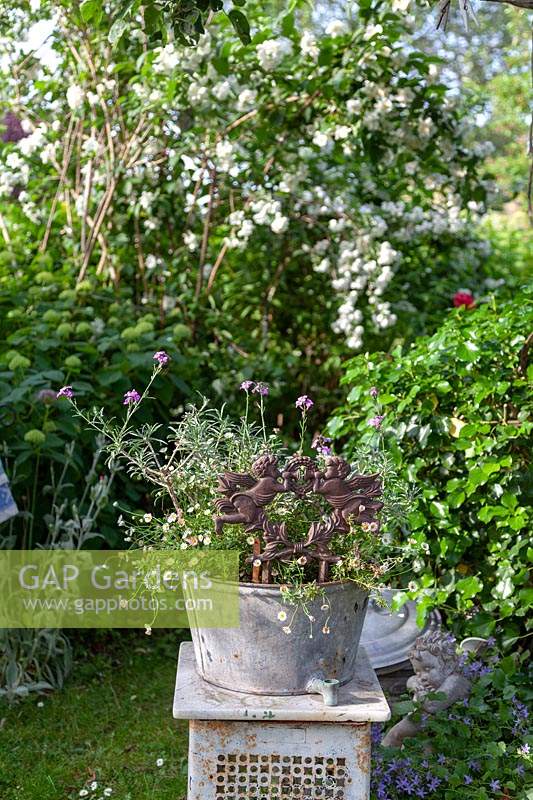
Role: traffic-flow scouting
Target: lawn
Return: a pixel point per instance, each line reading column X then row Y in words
column 112, row 724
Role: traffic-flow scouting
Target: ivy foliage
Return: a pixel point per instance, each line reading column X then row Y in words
column 458, row 419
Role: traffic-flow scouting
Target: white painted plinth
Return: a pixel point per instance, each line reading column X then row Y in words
column 245, row 746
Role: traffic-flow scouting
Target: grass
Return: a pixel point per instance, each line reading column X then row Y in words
column 110, row 725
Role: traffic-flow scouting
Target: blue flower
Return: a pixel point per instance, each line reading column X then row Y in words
column 433, row 782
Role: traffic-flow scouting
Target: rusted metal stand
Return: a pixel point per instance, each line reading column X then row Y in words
column 245, row 746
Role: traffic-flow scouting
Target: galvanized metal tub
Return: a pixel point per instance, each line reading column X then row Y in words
column 259, row 657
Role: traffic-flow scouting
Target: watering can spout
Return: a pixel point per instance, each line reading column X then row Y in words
column 328, row 688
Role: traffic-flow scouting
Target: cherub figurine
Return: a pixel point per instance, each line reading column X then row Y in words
column 439, row 667
column 245, row 496
column 350, row 497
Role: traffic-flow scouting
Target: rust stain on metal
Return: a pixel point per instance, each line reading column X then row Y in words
column 363, row 750
column 251, row 740
column 217, row 732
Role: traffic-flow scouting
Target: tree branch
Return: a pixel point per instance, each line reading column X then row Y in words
column 205, row 234
column 465, row 6
column 516, row 3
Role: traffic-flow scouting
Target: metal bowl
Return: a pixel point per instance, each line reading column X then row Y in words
column 387, row 637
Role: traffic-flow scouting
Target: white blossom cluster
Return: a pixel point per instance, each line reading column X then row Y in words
column 312, row 178
column 271, row 52
column 261, row 212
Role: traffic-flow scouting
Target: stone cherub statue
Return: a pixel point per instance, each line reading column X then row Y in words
column 439, row 667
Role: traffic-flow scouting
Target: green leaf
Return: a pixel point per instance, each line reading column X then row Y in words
column 422, row 611
column 106, row 378
column 152, row 18
column 487, row 513
column 508, row 665
column 335, row 425
column 241, row 25
column 387, row 399
column 117, row 30
column 416, row 520
column 438, row 509
column 468, row 351
column 526, row 597
column 287, row 25
column 509, row 500
column 354, row 394
column 456, row 499
column 468, row 587
column 403, row 707
column 89, row 8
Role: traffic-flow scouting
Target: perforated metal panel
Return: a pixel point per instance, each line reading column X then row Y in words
column 272, row 761
column 276, row 776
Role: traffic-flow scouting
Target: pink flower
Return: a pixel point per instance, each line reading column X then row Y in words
column 376, row 421
column 247, row 385
column 132, row 396
column 161, row 357
column 464, row 298
column 261, row 388
column 304, row 402
column 322, row 445
column 374, row 391
column 66, row 391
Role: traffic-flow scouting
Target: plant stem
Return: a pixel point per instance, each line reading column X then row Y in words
column 303, row 425
column 262, row 410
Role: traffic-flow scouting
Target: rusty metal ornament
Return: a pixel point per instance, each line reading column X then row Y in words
column 353, row 498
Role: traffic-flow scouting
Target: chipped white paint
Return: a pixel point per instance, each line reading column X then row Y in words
column 361, row 700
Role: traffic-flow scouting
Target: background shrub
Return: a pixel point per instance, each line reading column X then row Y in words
column 282, row 204
column 245, row 191
column 458, row 418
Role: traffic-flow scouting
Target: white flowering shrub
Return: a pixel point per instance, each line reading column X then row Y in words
column 313, row 186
